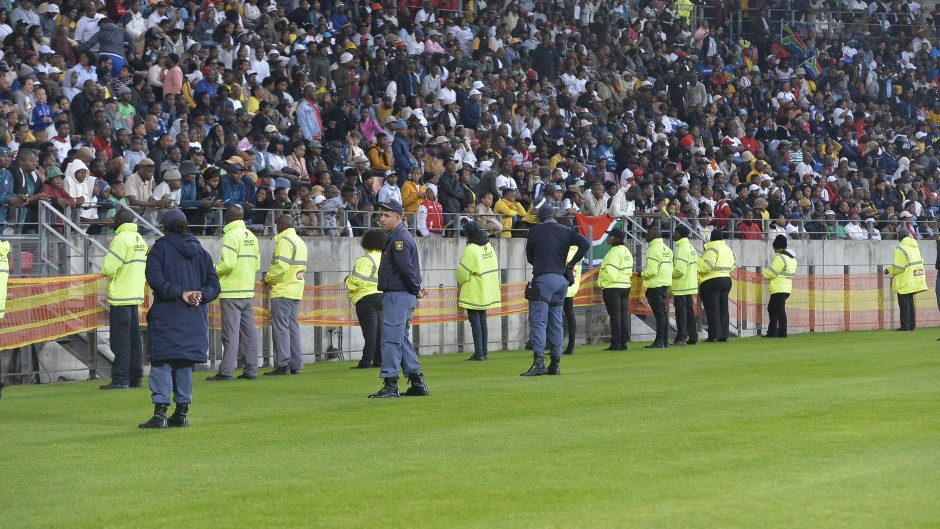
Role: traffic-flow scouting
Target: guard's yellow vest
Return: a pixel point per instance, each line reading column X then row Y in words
column 779, row 274
column 717, row 261
column 573, row 289
column 240, row 261
column 684, row 269
column 658, row 271
column 125, row 265
column 616, row 269
column 364, row 280
column 288, row 266
column 4, row 275
column 907, row 270
column 478, row 278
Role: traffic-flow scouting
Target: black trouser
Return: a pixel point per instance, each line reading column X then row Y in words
column 568, row 315
column 479, row 330
column 127, row 367
column 617, row 301
column 369, row 313
column 777, row 310
column 657, row 300
column 908, row 320
column 685, row 318
column 714, row 294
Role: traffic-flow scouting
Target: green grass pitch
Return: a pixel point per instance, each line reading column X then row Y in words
column 837, row 430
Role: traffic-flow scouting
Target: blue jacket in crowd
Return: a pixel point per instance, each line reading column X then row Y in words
column 177, row 264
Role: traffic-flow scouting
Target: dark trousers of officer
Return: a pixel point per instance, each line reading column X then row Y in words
column 657, row 300
column 127, row 367
column 571, row 322
column 906, row 303
column 777, row 310
column 479, row 330
column 714, row 294
column 369, row 314
column 616, row 301
column 685, row 319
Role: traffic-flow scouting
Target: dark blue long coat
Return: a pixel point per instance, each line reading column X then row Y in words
column 176, row 264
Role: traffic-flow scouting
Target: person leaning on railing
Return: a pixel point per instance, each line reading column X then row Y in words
column 510, row 210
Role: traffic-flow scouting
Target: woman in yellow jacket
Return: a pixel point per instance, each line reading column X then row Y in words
column 614, row 280
column 907, row 277
column 412, row 191
column 714, row 272
column 478, row 279
column 779, row 276
column 364, row 294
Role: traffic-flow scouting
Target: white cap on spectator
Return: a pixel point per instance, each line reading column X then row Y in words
column 477, row 85
column 832, row 179
column 270, row 128
column 474, row 92
column 830, row 212
column 319, row 199
column 754, row 187
column 346, row 57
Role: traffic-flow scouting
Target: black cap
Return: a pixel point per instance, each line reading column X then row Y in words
column 780, row 242
column 682, row 231
column 616, row 232
column 470, row 228
column 392, row 205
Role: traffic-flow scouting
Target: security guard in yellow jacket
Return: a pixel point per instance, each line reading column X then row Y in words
column 4, row 275
column 779, row 276
column 614, row 278
column 714, row 272
column 684, row 286
column 657, row 276
column 908, row 277
column 363, row 286
column 125, row 265
column 286, row 279
column 238, row 270
column 568, row 307
column 478, row 279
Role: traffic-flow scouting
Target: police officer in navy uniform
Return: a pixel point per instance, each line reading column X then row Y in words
column 547, row 252
column 400, row 282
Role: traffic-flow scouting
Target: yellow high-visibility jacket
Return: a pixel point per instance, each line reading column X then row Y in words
column 288, row 266
column 125, row 265
column 240, row 261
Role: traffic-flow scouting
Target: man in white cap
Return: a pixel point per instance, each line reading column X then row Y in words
column 344, row 76
column 470, row 111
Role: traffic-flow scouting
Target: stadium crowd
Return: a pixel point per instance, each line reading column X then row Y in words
column 465, row 108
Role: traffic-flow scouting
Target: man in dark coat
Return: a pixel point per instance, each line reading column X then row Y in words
column 184, row 282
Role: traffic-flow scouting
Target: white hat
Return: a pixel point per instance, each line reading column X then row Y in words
column 53, row 8
column 474, row 92
column 270, row 128
column 346, row 57
column 478, row 85
column 485, row 165
column 46, row 50
column 766, row 178
column 419, row 113
column 830, row 212
column 319, row 199
column 831, row 179
column 754, row 187
column 585, row 123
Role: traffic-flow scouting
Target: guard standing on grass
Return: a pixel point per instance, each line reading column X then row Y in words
column 125, row 265
column 4, row 276
column 615, row 279
column 657, row 276
column 714, row 271
column 478, row 279
column 908, row 277
column 363, row 286
column 286, row 279
column 400, row 282
column 779, row 276
column 684, row 286
column 184, row 282
column 240, row 260
column 552, row 273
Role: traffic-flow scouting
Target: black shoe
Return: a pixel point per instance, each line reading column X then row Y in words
column 1, row 390
column 295, row 371
column 678, row 343
column 477, row 358
column 615, row 348
column 112, row 385
column 278, row 372
column 218, row 378
column 554, row 367
column 245, row 376
column 692, row 342
column 388, row 391
column 709, row 340
column 538, row 368
column 722, row 340
column 158, row 421
column 655, row 345
column 136, row 384
column 359, row 367
column 179, row 418
column 781, row 336
column 902, row 329
column 528, row 345
column 769, row 336
column 569, row 352
column 418, row 387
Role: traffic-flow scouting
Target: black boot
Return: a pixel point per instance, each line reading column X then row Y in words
column 388, row 391
column 179, row 418
column 477, row 358
column 1, row 390
column 554, row 368
column 278, row 372
column 537, row 369
column 158, row 421
column 418, row 387
column 569, row 351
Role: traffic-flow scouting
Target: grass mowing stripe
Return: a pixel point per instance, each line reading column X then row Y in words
column 833, row 430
